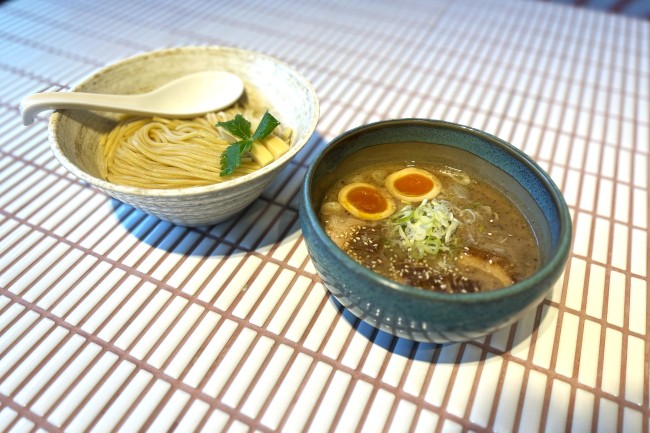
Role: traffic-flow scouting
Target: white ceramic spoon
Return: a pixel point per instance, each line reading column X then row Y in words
column 189, row 96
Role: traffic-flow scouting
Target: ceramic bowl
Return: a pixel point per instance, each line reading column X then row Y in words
column 74, row 134
column 413, row 313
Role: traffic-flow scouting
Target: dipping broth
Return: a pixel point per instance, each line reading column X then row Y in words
column 430, row 224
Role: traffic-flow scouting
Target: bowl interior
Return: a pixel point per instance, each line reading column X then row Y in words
column 269, row 84
column 478, row 153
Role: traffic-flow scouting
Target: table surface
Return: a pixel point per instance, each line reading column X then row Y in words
column 113, row 320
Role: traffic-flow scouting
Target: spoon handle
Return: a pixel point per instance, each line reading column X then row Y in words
column 34, row 104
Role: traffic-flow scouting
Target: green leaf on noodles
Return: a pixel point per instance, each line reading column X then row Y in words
column 266, row 126
column 230, row 159
column 245, row 146
column 241, row 128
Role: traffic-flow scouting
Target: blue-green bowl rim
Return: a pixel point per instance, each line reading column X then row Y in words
column 558, row 257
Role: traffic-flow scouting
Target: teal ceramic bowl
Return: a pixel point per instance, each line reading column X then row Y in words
column 410, row 312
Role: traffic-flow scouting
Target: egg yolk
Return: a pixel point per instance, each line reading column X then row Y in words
column 413, row 184
column 366, row 201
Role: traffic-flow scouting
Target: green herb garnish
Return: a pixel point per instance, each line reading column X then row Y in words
column 423, row 230
column 241, row 128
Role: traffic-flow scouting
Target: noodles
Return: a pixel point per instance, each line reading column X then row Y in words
column 172, row 153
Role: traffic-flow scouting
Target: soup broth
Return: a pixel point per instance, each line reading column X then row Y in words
column 430, row 225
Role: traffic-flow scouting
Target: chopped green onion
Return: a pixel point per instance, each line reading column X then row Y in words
column 424, row 230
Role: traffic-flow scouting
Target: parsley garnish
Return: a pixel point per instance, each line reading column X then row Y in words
column 241, row 128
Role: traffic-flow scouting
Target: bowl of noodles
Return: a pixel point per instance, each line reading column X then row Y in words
column 176, row 169
column 433, row 231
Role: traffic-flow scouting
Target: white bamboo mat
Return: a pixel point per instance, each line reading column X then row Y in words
column 113, row 320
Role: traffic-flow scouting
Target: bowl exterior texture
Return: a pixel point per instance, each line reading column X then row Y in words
column 269, row 84
column 200, row 209
column 421, row 315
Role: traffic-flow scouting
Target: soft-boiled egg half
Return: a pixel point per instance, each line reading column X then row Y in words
column 366, row 201
column 413, row 184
